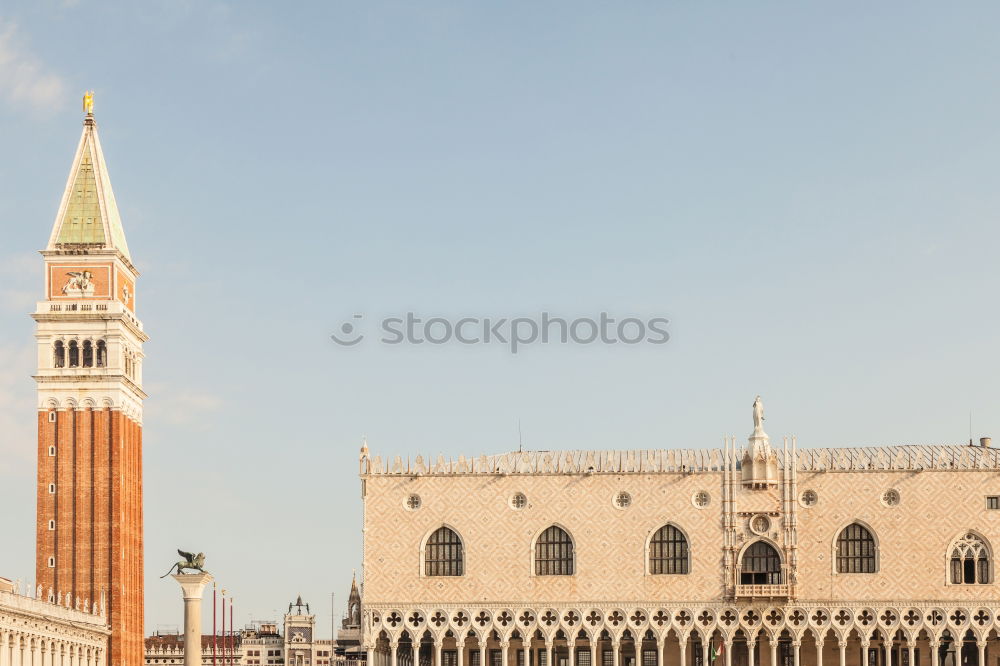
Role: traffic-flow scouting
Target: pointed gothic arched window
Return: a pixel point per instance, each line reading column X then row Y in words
column 59, row 355
column 443, row 554
column 554, row 553
column 761, row 565
column 668, row 551
column 970, row 561
column 856, row 552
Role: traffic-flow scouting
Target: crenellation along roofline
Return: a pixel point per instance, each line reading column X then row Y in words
column 908, row 458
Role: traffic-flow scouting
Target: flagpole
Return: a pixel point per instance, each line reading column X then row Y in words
column 223, row 627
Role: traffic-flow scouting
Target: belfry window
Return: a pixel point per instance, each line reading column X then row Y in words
column 554, row 553
column 761, row 565
column 59, row 354
column 970, row 561
column 74, row 354
column 668, row 551
column 443, row 554
column 856, row 550
column 88, row 354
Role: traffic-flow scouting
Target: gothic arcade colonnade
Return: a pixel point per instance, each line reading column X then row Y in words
column 805, row 634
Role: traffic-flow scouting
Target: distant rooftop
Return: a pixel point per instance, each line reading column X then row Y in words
column 176, row 641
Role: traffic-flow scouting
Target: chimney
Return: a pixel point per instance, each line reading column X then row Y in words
column 985, row 442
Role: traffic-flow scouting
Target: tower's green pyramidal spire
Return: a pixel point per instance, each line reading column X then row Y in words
column 88, row 216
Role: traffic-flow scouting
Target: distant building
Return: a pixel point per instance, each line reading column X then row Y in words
column 50, row 631
column 299, row 632
column 262, row 644
column 167, row 649
column 349, row 635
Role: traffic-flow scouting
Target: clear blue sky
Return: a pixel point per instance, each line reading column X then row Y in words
column 809, row 191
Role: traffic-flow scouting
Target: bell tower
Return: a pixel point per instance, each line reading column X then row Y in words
column 89, row 539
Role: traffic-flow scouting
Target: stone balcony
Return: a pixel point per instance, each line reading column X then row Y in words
column 765, row 591
column 99, row 309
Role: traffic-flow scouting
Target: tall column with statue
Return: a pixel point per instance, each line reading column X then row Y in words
column 192, row 586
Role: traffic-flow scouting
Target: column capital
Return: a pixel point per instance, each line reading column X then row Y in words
column 192, row 585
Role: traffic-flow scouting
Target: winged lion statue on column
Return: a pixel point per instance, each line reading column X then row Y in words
column 190, row 561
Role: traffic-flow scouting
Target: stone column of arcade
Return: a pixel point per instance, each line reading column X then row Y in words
column 192, row 586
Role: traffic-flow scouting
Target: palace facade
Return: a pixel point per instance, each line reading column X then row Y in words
column 743, row 555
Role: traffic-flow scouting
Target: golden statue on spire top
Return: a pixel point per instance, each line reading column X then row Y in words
column 88, row 102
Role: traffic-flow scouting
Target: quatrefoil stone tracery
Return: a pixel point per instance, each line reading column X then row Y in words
column 630, row 623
